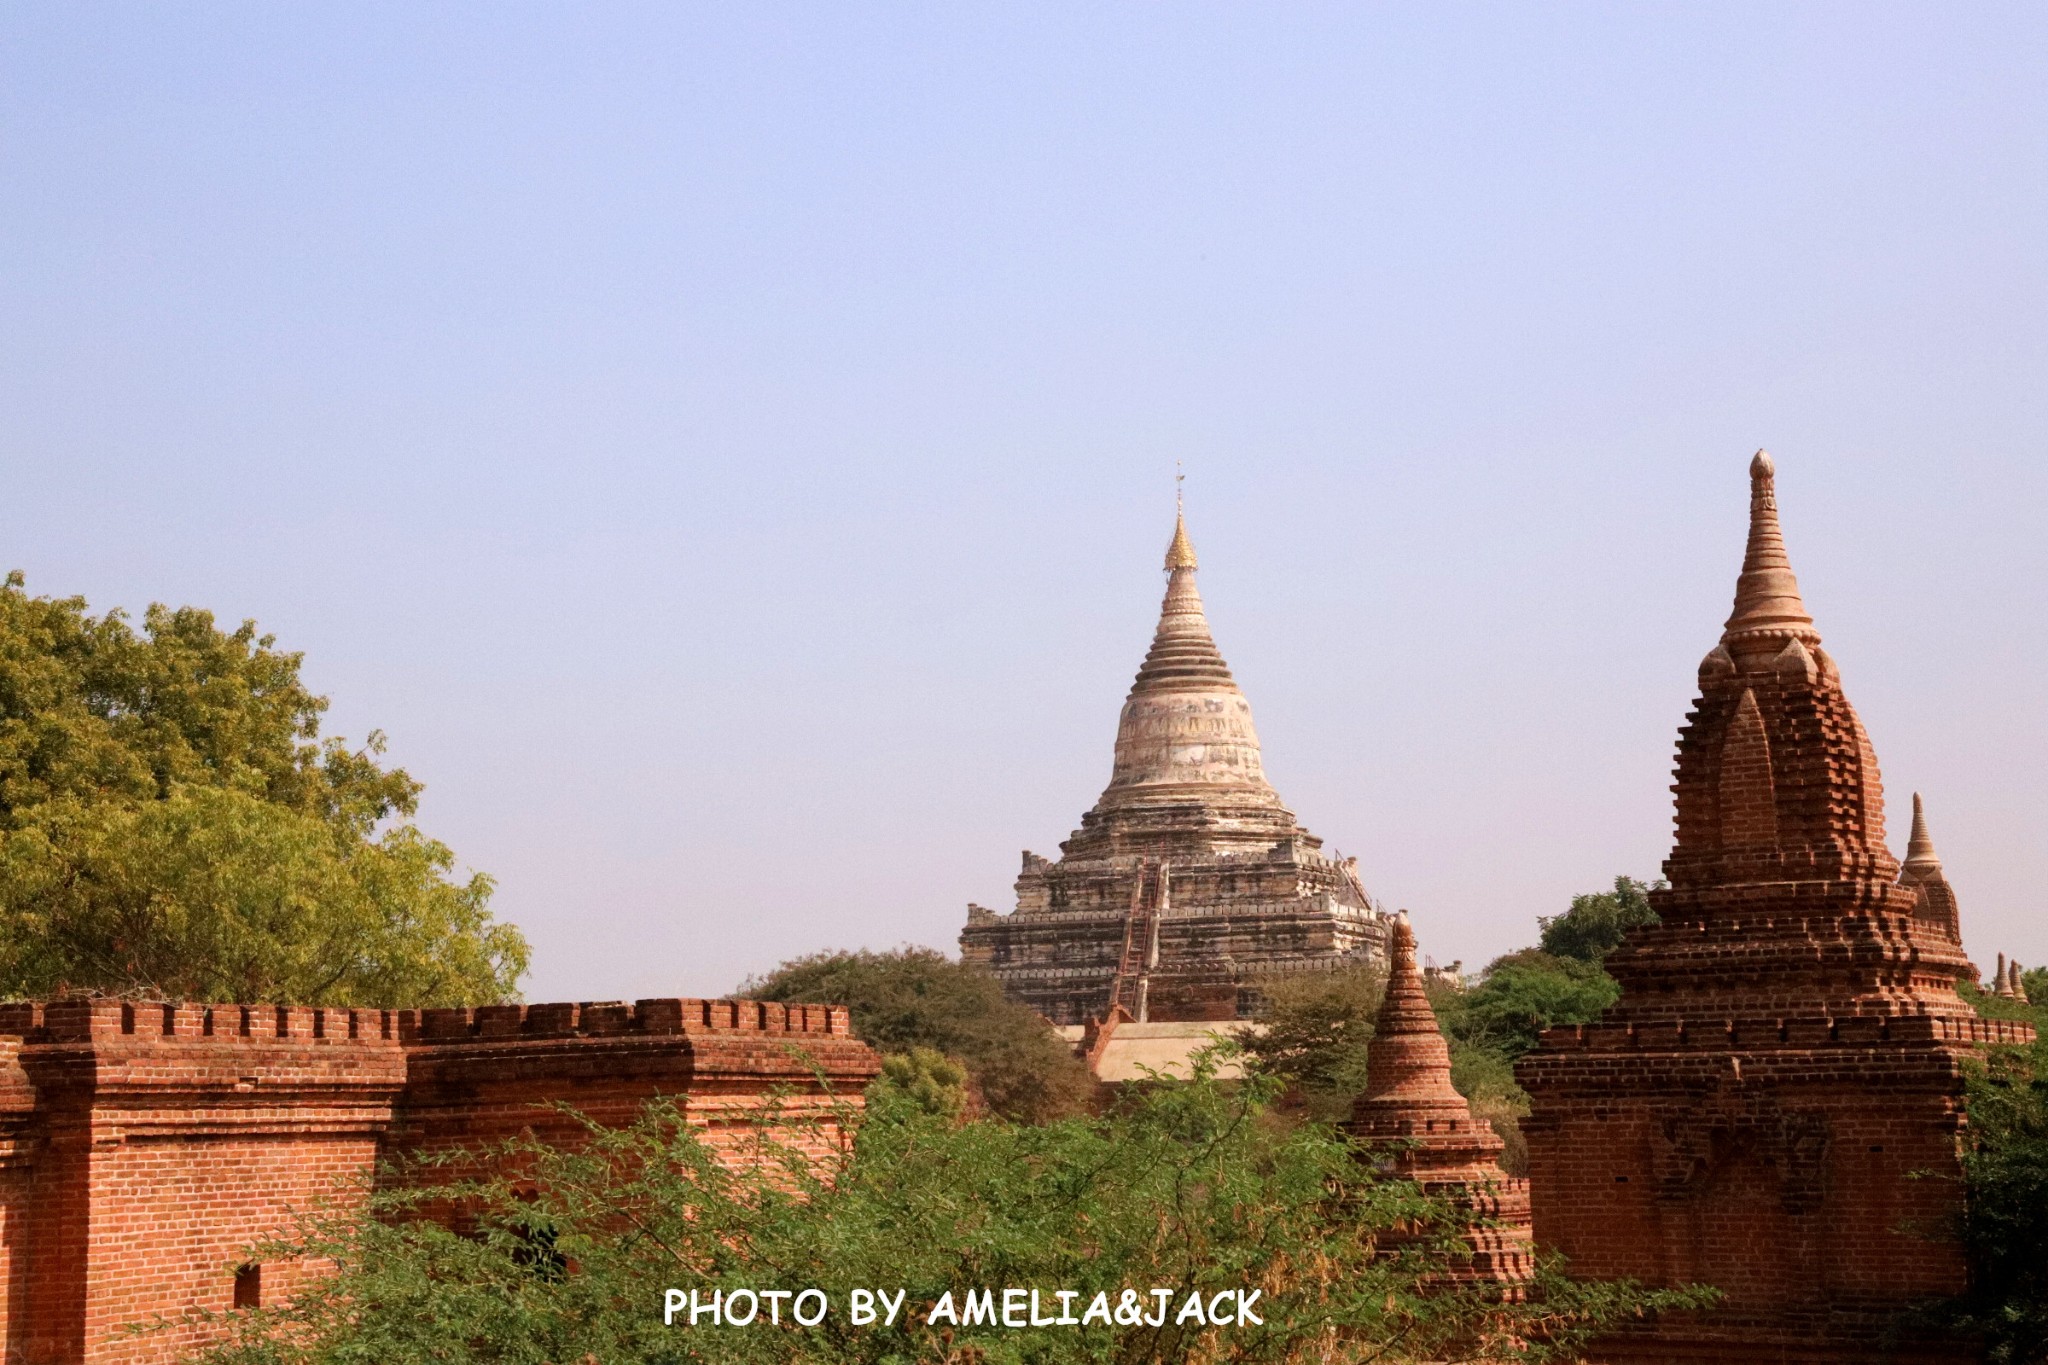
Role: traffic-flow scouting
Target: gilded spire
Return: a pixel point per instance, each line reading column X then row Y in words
column 1768, row 610
column 1183, row 651
column 1921, row 859
column 1180, row 551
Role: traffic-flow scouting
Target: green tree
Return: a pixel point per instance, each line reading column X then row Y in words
column 1594, row 925
column 1316, row 1029
column 1187, row 1188
column 1313, row 1033
column 1523, row 994
column 918, row 997
column 2005, row 1188
column 927, row 1078
column 172, row 823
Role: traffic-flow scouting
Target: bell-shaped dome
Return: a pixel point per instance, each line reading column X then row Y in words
column 1186, row 730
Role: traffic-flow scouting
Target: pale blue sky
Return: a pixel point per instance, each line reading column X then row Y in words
column 730, row 448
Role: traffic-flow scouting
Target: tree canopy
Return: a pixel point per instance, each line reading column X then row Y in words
column 1187, row 1188
column 1594, row 925
column 1318, row 1024
column 918, row 997
column 172, row 823
column 2005, row 1186
column 1315, row 1029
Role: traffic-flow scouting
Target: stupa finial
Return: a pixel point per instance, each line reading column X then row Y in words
column 1920, row 855
column 1180, row 551
column 1768, row 610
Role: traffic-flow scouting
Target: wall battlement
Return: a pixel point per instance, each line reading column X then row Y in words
column 614, row 1018
column 145, row 1145
column 79, row 1021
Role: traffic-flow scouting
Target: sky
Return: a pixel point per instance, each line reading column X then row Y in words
column 729, row 449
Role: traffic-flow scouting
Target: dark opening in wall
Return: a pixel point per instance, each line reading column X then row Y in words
column 249, row 1286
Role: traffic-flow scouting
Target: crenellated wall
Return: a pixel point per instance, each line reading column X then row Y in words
column 144, row 1146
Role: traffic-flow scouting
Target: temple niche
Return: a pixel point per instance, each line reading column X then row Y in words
column 1773, row 1105
column 1189, row 880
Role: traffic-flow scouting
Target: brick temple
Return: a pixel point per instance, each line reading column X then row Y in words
column 1410, row 1122
column 1189, row 880
column 1774, row 1104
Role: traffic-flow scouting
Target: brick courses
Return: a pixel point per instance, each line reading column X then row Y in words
column 1412, row 1122
column 1773, row 1106
column 143, row 1145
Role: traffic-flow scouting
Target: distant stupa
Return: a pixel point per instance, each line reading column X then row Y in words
column 1189, row 879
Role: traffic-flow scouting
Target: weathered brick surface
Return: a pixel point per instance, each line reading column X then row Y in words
column 164, row 1139
column 143, row 1146
column 1189, row 878
column 1412, row 1122
column 1773, row 1106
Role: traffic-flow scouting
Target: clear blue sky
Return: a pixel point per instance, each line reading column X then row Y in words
column 730, row 448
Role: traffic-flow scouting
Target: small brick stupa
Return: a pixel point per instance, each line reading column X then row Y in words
column 1773, row 1105
column 1189, row 879
column 1922, row 873
column 1413, row 1122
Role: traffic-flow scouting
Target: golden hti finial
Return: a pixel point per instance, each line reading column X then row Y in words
column 1180, row 552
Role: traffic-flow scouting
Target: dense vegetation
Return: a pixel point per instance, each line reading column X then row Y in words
column 2005, row 1175
column 1188, row 1188
column 1318, row 1026
column 919, row 998
column 173, row 824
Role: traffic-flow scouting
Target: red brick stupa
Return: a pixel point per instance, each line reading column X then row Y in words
column 1414, row 1122
column 1773, row 1105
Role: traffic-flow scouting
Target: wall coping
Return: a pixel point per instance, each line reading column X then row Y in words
column 667, row 1017
column 155, row 1021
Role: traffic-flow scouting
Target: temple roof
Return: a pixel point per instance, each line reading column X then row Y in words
column 1186, row 731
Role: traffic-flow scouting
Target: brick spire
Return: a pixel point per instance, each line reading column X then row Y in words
column 1413, row 1122
column 1768, row 610
column 1780, row 803
column 1921, row 859
column 1785, row 1055
column 1921, row 872
column 1408, row 1086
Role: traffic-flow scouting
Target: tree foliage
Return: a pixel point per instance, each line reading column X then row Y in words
column 1187, row 1188
column 1314, row 1032
column 2005, row 1187
column 918, row 997
column 927, row 1078
column 1317, row 1026
column 1593, row 926
column 172, row 823
column 1523, row 994
column 2005, row 1223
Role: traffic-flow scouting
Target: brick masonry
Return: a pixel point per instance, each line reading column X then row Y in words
column 1773, row 1106
column 1411, row 1122
column 143, row 1146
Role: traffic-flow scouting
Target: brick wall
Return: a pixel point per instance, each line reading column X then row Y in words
column 1774, row 1105
column 144, row 1146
